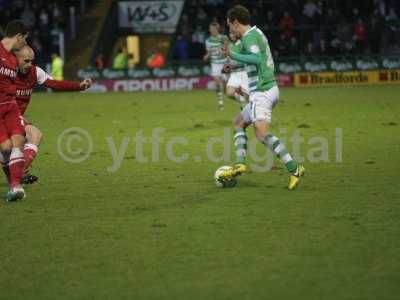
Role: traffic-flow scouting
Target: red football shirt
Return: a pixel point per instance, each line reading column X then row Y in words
column 25, row 84
column 8, row 74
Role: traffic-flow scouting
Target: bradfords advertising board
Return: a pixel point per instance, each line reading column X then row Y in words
column 150, row 16
column 347, row 78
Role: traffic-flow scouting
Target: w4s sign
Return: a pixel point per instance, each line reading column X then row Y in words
column 150, row 16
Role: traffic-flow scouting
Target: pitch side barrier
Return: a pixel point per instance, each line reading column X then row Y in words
column 315, row 73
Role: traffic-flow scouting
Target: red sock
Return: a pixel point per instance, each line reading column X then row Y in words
column 30, row 152
column 16, row 166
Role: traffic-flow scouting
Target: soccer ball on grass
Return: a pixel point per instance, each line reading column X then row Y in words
column 224, row 183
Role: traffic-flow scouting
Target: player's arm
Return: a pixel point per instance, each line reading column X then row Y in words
column 207, row 56
column 62, row 85
column 252, row 58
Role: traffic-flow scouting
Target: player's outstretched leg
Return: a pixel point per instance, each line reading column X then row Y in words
column 16, row 166
column 30, row 152
column 296, row 170
column 34, row 138
column 240, row 142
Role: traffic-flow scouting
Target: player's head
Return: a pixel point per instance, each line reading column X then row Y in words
column 238, row 18
column 214, row 28
column 18, row 32
column 25, row 56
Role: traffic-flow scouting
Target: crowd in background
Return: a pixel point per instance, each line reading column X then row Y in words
column 300, row 27
column 46, row 18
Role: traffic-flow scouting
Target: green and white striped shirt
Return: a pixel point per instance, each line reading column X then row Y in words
column 214, row 45
column 262, row 76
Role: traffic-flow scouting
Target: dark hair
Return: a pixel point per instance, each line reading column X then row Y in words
column 16, row 27
column 215, row 24
column 239, row 13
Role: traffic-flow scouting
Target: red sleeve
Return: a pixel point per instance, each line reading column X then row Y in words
column 63, row 85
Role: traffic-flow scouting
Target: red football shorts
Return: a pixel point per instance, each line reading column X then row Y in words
column 11, row 121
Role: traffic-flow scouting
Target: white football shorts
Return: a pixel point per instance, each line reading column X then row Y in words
column 239, row 79
column 260, row 106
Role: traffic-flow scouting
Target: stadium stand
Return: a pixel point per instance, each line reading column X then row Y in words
column 46, row 19
column 299, row 27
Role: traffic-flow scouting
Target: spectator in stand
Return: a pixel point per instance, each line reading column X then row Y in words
column 287, row 22
column 57, row 67
column 393, row 28
column 44, row 17
column 360, row 36
column 44, row 20
column 201, row 18
column 55, row 36
column 120, row 61
column 40, row 55
column 375, row 29
column 270, row 21
column 181, row 51
column 293, row 47
column 345, row 35
column 392, row 15
column 294, row 8
column 355, row 15
column 56, row 12
column 310, row 12
column 156, row 59
column 380, row 6
column 100, row 63
column 28, row 17
column 185, row 20
column 196, row 47
column 330, row 19
column 320, row 44
column 284, row 43
column 323, row 33
column 199, row 35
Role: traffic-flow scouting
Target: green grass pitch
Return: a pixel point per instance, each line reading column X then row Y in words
column 162, row 230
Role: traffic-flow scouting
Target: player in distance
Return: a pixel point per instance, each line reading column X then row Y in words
column 214, row 43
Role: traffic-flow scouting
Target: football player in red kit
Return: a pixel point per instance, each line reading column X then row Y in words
column 11, row 122
column 29, row 75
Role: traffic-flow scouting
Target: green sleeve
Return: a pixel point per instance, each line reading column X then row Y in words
column 253, row 58
column 250, row 53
